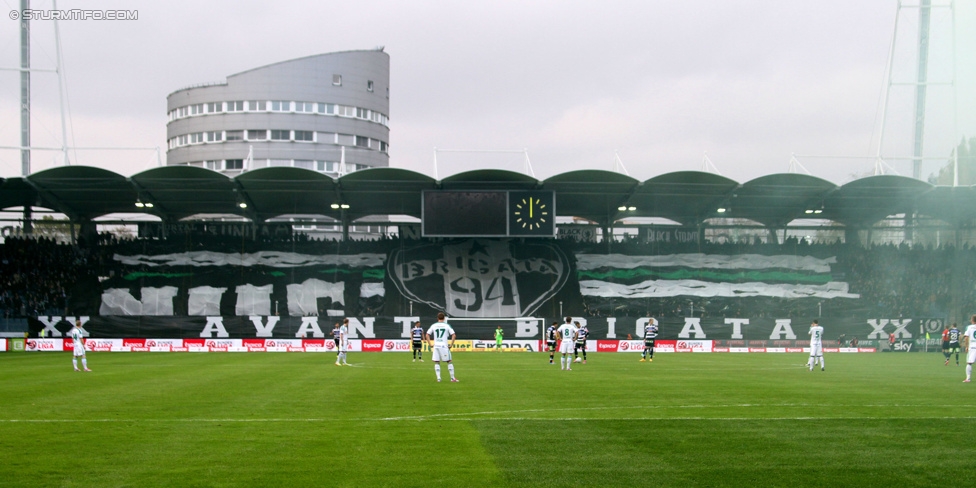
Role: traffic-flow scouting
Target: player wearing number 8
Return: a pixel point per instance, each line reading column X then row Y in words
column 816, row 345
column 437, row 339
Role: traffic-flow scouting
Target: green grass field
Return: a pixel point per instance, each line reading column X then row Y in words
column 293, row 419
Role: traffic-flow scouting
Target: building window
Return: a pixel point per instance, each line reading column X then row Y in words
column 256, row 105
column 236, row 106
column 362, row 113
column 181, row 112
column 345, row 110
column 280, row 162
column 257, row 135
column 304, row 163
column 328, row 166
column 306, row 107
column 196, row 137
column 280, row 135
column 234, row 164
column 362, row 141
column 215, row 136
column 383, row 146
column 346, row 140
column 214, row 165
column 215, row 107
column 327, row 108
column 235, row 135
column 369, row 85
column 337, row 80
column 280, row 106
column 304, row 135
column 181, row 140
column 196, row 109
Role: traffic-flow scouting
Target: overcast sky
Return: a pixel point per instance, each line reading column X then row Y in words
column 662, row 83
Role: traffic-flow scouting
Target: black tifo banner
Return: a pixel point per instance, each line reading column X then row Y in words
column 383, row 327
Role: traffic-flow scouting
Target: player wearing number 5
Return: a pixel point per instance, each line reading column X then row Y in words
column 816, row 345
column 437, row 336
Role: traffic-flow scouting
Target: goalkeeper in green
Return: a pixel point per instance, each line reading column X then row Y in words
column 499, row 335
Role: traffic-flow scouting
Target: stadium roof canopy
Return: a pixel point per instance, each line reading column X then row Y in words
column 602, row 197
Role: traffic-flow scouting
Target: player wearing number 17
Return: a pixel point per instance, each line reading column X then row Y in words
column 437, row 339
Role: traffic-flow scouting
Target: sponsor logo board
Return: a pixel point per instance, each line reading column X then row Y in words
column 607, row 346
column 397, row 345
column 3, row 344
column 372, row 345
column 630, row 346
column 105, row 345
column 512, row 346
column 44, row 345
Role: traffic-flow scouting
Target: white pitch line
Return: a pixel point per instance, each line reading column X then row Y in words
column 506, row 414
column 540, row 419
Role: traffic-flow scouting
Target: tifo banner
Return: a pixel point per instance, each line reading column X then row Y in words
column 203, row 283
column 731, row 332
column 708, row 275
column 480, row 277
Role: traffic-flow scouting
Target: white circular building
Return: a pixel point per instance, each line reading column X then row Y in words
column 327, row 113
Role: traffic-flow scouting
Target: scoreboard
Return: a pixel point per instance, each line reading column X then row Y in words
column 488, row 213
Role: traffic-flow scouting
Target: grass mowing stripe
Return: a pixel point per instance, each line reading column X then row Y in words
column 144, row 419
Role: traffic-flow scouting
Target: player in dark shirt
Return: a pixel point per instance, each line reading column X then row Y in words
column 650, row 335
column 581, row 335
column 417, row 341
column 551, row 340
column 954, row 335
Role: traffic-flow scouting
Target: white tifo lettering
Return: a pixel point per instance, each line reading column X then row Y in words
column 783, row 327
column 611, row 328
column 214, row 325
column 692, row 326
column 878, row 328
column 356, row 327
column 737, row 327
column 900, row 326
column 50, row 322
column 641, row 323
column 407, row 324
column 526, row 328
column 309, row 324
column 264, row 330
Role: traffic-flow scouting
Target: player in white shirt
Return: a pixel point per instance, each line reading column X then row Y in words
column 343, row 343
column 969, row 341
column 78, row 336
column 440, row 348
column 567, row 344
column 816, row 345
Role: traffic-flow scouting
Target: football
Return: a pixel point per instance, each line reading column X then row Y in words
column 577, row 360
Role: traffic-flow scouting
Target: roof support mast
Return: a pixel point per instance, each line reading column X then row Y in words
column 924, row 21
column 25, row 104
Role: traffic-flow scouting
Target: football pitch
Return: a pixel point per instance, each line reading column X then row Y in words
column 295, row 419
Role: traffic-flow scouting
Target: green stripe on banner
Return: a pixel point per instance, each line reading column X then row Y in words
column 139, row 274
column 685, row 274
column 376, row 274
